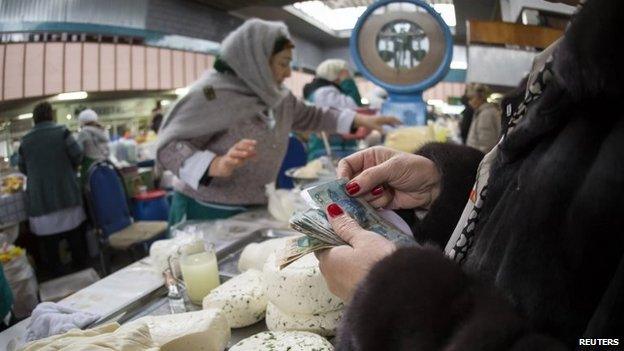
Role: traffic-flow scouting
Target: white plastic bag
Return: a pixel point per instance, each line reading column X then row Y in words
column 21, row 277
column 283, row 203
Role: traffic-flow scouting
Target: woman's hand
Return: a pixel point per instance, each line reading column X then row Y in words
column 237, row 155
column 391, row 179
column 374, row 122
column 345, row 266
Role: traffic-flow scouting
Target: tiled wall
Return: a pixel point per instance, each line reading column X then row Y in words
column 39, row 69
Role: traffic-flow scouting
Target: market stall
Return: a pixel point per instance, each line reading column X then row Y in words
column 138, row 291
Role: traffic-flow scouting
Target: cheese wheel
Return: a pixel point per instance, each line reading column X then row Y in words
column 292, row 341
column 255, row 255
column 299, row 288
column 320, row 323
column 206, row 330
column 241, row 299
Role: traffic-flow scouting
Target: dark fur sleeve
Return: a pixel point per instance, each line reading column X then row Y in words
column 416, row 299
column 458, row 165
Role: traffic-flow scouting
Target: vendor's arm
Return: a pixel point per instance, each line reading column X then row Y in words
column 331, row 96
column 187, row 158
column 311, row 118
column 73, row 149
column 196, row 167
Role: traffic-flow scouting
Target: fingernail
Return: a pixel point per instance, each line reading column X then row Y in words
column 334, row 210
column 352, row 188
column 377, row 190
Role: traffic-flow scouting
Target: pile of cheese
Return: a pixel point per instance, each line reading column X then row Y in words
column 298, row 298
column 295, row 300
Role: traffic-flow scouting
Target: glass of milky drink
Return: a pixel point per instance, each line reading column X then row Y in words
column 198, row 263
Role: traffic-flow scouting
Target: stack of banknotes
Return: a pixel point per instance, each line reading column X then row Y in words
column 318, row 232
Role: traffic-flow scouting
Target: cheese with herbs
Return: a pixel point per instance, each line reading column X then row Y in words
column 255, row 255
column 299, row 288
column 319, row 323
column 281, row 341
column 242, row 299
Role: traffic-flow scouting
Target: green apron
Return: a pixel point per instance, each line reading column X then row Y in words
column 186, row 208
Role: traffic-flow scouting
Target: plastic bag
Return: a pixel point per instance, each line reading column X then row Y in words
column 21, row 277
column 283, row 203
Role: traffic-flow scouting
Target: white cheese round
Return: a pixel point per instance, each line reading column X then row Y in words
column 241, row 299
column 255, row 255
column 321, row 323
column 299, row 288
column 279, row 341
column 206, row 330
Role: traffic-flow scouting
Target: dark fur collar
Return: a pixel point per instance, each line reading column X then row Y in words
column 588, row 61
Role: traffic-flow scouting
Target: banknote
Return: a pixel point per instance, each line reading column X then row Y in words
column 319, row 233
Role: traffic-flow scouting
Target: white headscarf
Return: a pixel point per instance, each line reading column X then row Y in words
column 247, row 51
column 330, row 69
column 87, row 115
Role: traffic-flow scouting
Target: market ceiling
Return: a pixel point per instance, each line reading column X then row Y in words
column 272, row 10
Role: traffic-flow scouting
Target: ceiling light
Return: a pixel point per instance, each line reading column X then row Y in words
column 435, row 102
column 447, row 11
column 164, row 102
column 69, row 116
column 364, row 101
column 344, row 18
column 25, row 116
column 76, row 95
column 459, row 64
column 336, row 19
column 182, row 91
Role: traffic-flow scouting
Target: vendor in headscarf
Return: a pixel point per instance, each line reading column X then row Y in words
column 226, row 138
column 329, row 89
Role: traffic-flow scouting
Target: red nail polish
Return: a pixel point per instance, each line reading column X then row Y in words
column 378, row 190
column 352, row 188
column 334, row 210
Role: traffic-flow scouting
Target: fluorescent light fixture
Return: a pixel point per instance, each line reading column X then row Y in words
column 69, row 116
column 447, row 11
column 435, row 102
column 335, row 19
column 76, row 95
column 25, row 116
column 459, row 64
column 182, row 91
column 343, row 19
column 453, row 109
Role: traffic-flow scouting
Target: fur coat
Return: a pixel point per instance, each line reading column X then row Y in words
column 546, row 267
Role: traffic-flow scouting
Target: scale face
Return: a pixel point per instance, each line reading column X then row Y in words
column 405, row 47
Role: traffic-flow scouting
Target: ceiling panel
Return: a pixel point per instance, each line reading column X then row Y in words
column 230, row 5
